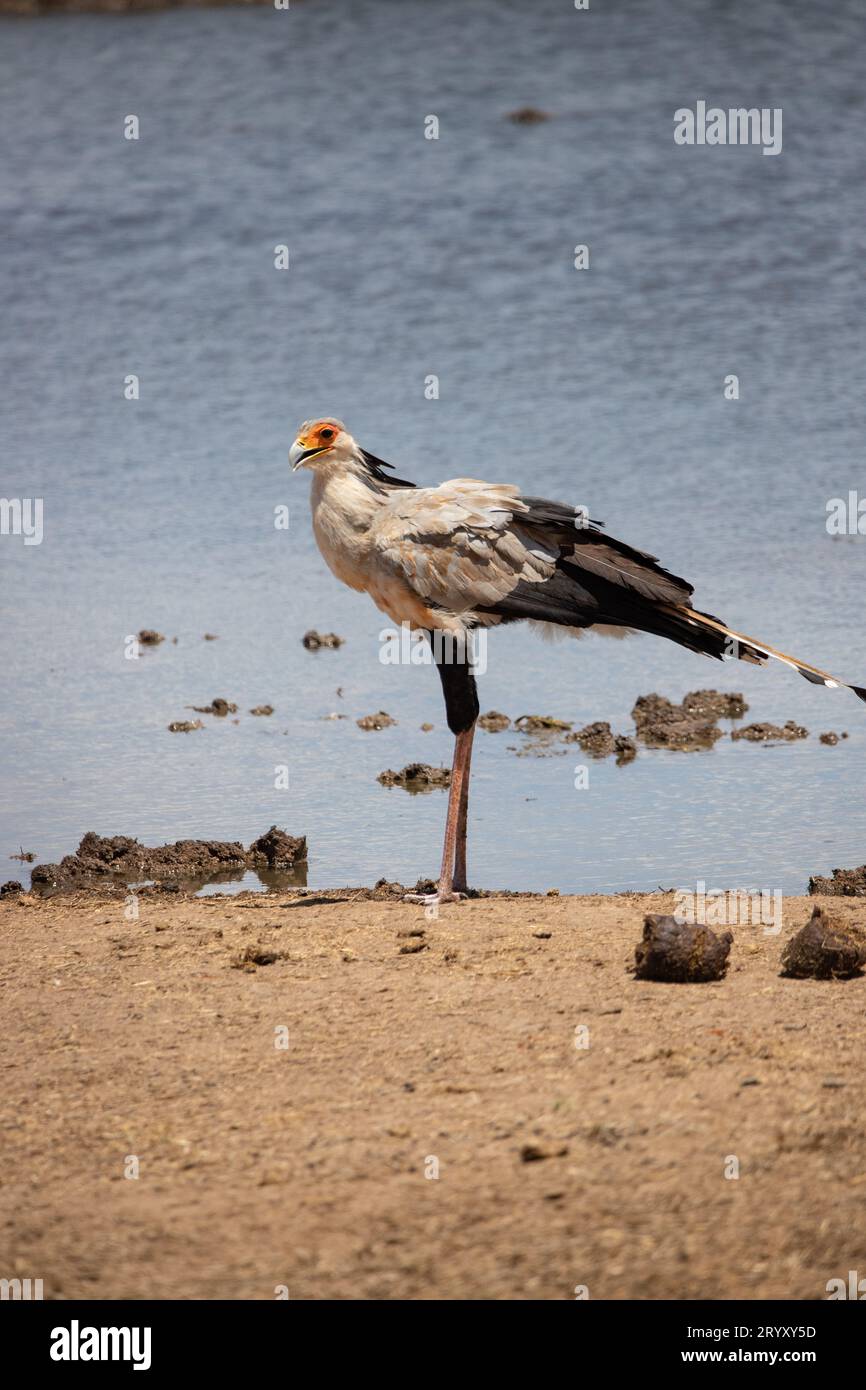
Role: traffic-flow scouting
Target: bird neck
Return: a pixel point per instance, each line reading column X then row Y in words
column 342, row 497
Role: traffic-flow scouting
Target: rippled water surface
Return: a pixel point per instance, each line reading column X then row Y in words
column 410, row 257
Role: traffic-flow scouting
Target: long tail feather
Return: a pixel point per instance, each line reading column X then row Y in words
column 749, row 646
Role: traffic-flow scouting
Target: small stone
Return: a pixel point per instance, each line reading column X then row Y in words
column 528, row 115
column 148, row 637
column 381, row 720
column 411, row 948
column 315, row 641
column 185, row 726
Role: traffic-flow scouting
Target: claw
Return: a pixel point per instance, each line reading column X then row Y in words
column 433, row 899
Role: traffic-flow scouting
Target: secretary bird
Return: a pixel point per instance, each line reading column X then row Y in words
column 469, row 554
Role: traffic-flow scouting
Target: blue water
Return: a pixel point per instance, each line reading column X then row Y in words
column 410, row 257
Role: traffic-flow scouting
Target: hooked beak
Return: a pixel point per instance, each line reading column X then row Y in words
column 298, row 454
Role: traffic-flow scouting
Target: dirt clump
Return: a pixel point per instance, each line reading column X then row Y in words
column 262, row 710
column 149, row 637
column 677, row 952
column 380, row 720
column 314, row 641
column 599, row 741
column 124, row 859
column 277, row 850
column 715, row 704
column 253, row 956
column 771, row 733
column 845, row 883
column 11, row 887
column 662, row 724
column 528, row 115
column 218, row 706
column 494, row 722
column 831, row 738
column 822, row 951
column 184, row 726
column 416, row 777
column 541, row 724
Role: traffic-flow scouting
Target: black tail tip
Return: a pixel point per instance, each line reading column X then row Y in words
column 859, row 692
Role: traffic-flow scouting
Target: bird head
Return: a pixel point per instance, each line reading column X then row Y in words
column 326, row 439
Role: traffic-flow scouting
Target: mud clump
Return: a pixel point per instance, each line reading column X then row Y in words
column 676, row 952
column 830, row 738
column 542, row 731
column 316, row 641
column 715, row 704
column 380, row 720
column 528, row 115
column 122, row 858
column 822, row 951
column 416, row 777
column 184, row 726
column 494, row 722
column 149, row 637
column 253, row 956
column 10, row 888
column 845, row 883
column 277, row 850
column 218, row 706
column 662, row 724
column 771, row 733
column 599, row 741
column 262, row 710
column 541, row 724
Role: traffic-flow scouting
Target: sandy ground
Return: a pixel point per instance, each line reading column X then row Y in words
column 305, row 1166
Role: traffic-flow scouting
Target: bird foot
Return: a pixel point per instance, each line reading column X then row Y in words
column 434, row 899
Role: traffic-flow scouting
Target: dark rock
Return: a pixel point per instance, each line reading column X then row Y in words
column 831, row 738
column 823, row 951
column 262, row 710
column 10, row 888
column 674, row 951
column 184, row 726
column 150, row 638
column 845, row 883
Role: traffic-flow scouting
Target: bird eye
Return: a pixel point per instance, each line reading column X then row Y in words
column 326, row 434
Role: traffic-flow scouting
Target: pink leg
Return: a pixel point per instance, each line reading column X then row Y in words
column 461, row 884
column 454, row 848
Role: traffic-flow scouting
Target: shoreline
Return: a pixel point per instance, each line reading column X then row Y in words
column 287, row 1070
